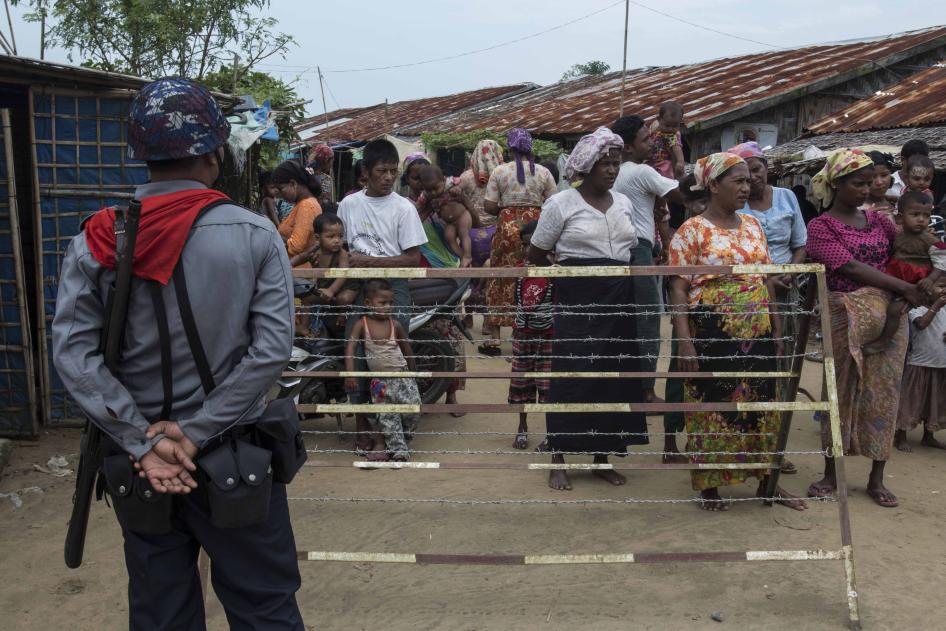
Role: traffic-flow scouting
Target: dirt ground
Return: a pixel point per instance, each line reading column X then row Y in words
column 899, row 560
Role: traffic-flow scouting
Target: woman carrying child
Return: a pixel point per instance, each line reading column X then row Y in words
column 387, row 352
column 855, row 246
column 436, row 252
column 298, row 186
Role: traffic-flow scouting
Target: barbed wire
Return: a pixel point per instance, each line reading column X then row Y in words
column 539, row 337
column 502, row 452
column 479, row 502
column 590, row 433
column 598, row 357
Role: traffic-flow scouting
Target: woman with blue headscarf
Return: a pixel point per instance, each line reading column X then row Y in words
column 515, row 193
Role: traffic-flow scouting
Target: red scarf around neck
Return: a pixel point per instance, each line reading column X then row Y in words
column 165, row 223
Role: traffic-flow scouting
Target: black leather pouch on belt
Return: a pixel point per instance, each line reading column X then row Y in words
column 139, row 508
column 278, row 431
column 238, row 480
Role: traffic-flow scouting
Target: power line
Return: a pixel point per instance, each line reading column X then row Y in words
column 478, row 50
column 699, row 26
column 329, row 88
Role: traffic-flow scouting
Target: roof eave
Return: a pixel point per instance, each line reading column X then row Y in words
column 816, row 86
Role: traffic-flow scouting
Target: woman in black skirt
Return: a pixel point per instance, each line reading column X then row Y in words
column 591, row 226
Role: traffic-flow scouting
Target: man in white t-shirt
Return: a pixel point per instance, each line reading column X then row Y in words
column 647, row 189
column 382, row 229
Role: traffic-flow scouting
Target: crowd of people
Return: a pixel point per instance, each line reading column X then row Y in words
column 614, row 206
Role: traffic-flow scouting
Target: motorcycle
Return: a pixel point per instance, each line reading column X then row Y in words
column 432, row 300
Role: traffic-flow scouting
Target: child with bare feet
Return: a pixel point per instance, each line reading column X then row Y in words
column 445, row 202
column 667, row 152
column 387, row 351
column 327, row 253
column 923, row 394
column 531, row 341
column 918, row 257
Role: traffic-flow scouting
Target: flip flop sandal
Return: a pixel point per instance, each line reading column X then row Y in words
column 378, row 456
column 788, row 468
column 521, row 441
column 816, row 491
column 489, row 350
column 363, row 448
column 883, row 498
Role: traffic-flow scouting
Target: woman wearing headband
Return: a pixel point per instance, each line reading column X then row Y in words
column 591, row 225
column 724, row 323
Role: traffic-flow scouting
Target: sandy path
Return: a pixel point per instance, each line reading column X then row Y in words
column 899, row 551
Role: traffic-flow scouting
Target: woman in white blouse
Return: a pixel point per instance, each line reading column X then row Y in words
column 583, row 226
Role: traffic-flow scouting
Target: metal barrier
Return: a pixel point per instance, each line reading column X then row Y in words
column 790, row 382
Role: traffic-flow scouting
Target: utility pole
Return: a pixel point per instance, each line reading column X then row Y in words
column 324, row 106
column 236, row 71
column 6, row 5
column 42, row 29
column 627, row 15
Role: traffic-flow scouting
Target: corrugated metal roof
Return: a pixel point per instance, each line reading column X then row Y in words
column 712, row 92
column 918, row 100
column 66, row 75
column 370, row 122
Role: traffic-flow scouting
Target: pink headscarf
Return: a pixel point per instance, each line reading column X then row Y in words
column 321, row 153
column 747, row 150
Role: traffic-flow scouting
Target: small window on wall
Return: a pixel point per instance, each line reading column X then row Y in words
column 763, row 133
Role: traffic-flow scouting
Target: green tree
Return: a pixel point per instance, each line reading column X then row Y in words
column 156, row 38
column 592, row 68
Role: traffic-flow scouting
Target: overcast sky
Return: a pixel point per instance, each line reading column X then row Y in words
column 370, row 33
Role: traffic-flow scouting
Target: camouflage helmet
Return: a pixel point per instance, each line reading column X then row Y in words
column 175, row 118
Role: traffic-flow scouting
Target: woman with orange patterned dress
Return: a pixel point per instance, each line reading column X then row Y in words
column 724, row 324
column 515, row 192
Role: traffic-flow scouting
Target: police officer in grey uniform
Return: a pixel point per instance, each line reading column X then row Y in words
column 239, row 289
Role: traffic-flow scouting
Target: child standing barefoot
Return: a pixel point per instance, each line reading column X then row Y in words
column 386, row 351
column 531, row 341
column 667, row 153
column 918, row 257
column 923, row 394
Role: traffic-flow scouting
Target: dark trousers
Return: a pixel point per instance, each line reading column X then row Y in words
column 254, row 570
column 647, row 294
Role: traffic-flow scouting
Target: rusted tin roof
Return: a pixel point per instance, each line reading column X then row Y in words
column 360, row 124
column 918, row 100
column 713, row 92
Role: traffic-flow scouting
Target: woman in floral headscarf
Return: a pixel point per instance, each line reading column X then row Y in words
column 591, row 225
column 487, row 155
column 724, row 324
column 854, row 245
column 515, row 193
column 321, row 159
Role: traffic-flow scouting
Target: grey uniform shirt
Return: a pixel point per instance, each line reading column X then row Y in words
column 240, row 288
